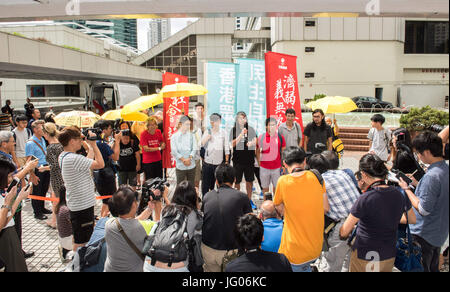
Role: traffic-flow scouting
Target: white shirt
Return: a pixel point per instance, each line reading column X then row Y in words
column 22, row 138
column 380, row 142
column 215, row 146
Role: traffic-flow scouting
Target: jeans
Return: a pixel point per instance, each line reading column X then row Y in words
column 430, row 254
column 306, row 267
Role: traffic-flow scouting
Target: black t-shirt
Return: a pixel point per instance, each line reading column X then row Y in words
column 260, row 261
column 242, row 154
column 127, row 156
column 317, row 135
column 218, row 231
column 379, row 211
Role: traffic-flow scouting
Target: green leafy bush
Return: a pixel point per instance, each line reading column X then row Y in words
column 419, row 119
column 319, row 96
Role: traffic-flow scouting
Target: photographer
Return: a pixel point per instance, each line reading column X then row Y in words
column 403, row 157
column 169, row 233
column 249, row 236
column 80, row 188
column 154, row 190
column 105, row 178
column 11, row 253
column 129, row 160
column 378, row 212
column 125, row 234
column 430, row 200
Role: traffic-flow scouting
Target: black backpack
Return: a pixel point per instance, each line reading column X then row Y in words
column 171, row 242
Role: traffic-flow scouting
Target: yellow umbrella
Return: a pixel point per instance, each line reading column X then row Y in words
column 183, row 89
column 113, row 115
column 142, row 103
column 81, row 119
column 333, row 104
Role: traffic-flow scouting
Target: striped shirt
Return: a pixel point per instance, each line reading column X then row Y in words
column 76, row 173
column 341, row 192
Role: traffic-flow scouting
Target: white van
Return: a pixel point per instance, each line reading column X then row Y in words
column 108, row 96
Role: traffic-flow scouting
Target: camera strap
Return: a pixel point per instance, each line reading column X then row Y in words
column 128, row 240
column 42, row 149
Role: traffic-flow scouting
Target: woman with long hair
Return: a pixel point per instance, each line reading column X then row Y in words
column 403, row 158
column 184, row 200
column 54, row 149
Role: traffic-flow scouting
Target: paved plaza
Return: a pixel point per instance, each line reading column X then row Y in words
column 43, row 240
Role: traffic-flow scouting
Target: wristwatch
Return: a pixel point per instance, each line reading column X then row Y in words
column 6, row 207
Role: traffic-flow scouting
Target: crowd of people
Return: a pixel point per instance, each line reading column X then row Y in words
column 314, row 214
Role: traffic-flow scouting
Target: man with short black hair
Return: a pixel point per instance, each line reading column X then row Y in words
column 431, row 200
column 29, row 107
column 379, row 137
column 291, row 130
column 199, row 117
column 35, row 116
column 8, row 108
column 342, row 193
column 21, row 136
column 249, row 235
column 301, row 197
column 221, row 207
column 318, row 135
column 215, row 142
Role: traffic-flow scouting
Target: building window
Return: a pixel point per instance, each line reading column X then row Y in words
column 427, row 37
column 310, row 49
column 309, row 75
column 310, row 22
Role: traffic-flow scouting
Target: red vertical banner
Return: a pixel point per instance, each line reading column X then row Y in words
column 174, row 107
column 282, row 87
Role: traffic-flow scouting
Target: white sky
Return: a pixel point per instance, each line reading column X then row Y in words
column 176, row 25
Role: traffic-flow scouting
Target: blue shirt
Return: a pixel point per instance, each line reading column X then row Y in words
column 105, row 150
column 432, row 191
column 183, row 146
column 273, row 228
column 32, row 149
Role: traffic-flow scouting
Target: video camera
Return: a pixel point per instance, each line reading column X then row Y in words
column 147, row 191
column 96, row 131
column 153, row 184
column 117, row 129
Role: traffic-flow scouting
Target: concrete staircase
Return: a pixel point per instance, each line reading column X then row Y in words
column 354, row 138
